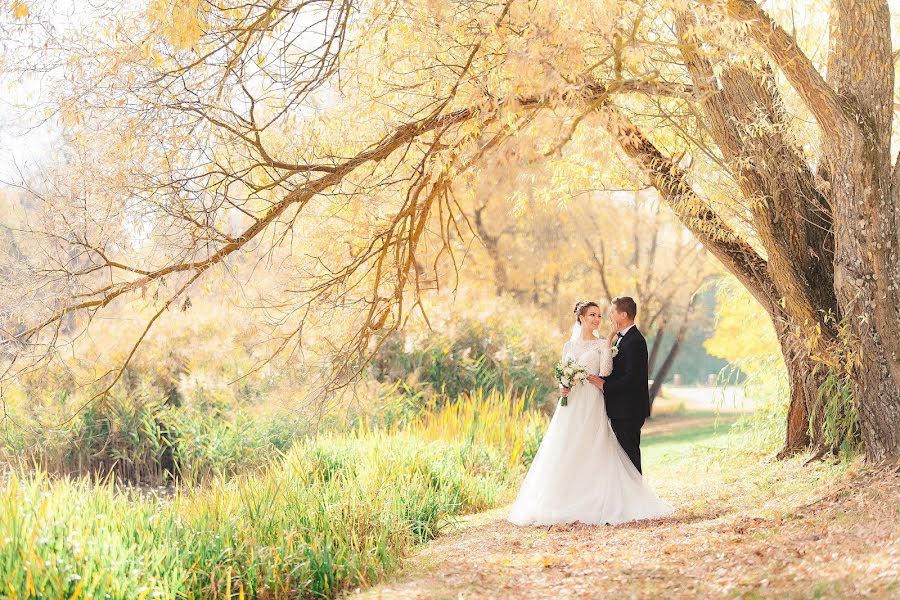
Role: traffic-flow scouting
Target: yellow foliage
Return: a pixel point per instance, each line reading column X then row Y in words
column 180, row 22
column 19, row 10
column 743, row 331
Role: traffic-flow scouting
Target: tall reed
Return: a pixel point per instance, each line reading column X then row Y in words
column 333, row 512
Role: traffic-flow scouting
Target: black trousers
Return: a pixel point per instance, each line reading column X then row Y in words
column 628, row 432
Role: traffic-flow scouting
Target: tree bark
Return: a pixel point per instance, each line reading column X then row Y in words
column 792, row 218
column 867, row 279
column 854, row 110
column 804, row 379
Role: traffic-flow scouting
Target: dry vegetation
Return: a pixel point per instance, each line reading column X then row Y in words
column 746, row 527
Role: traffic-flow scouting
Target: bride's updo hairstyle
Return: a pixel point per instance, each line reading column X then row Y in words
column 581, row 307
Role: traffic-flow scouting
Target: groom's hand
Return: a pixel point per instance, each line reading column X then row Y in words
column 596, row 380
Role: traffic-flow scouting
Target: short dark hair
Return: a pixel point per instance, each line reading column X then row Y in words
column 627, row 305
column 581, row 307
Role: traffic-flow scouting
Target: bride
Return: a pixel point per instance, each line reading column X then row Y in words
column 580, row 473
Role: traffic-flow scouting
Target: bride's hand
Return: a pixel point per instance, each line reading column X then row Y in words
column 564, row 391
column 611, row 337
column 596, row 381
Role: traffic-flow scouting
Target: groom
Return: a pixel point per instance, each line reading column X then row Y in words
column 626, row 390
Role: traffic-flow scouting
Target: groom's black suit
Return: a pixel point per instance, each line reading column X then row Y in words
column 627, row 395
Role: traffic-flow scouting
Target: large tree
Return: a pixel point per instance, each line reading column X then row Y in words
column 196, row 132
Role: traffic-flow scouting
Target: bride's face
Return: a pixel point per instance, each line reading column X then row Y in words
column 590, row 320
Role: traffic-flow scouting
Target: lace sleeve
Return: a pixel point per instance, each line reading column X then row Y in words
column 565, row 347
column 606, row 359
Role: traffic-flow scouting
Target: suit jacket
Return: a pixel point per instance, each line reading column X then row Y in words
column 626, row 390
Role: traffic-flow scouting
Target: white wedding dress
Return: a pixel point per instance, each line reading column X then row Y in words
column 580, row 473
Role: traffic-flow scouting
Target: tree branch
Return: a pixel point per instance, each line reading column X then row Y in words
column 713, row 232
column 817, row 95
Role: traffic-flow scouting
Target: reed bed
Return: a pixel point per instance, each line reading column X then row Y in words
column 330, row 513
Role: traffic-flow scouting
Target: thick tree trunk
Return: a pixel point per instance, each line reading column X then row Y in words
column 864, row 289
column 867, row 215
column 854, row 109
column 879, row 410
column 804, row 379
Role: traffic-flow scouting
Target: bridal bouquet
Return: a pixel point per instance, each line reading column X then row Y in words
column 569, row 374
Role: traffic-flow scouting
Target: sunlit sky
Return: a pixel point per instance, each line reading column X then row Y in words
column 24, row 148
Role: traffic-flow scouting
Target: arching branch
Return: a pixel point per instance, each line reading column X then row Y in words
column 713, row 232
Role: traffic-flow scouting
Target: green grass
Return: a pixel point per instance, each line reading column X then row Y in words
column 708, row 432
column 337, row 511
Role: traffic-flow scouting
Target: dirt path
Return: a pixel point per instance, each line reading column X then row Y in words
column 746, row 527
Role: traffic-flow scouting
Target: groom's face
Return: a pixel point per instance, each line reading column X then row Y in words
column 618, row 318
